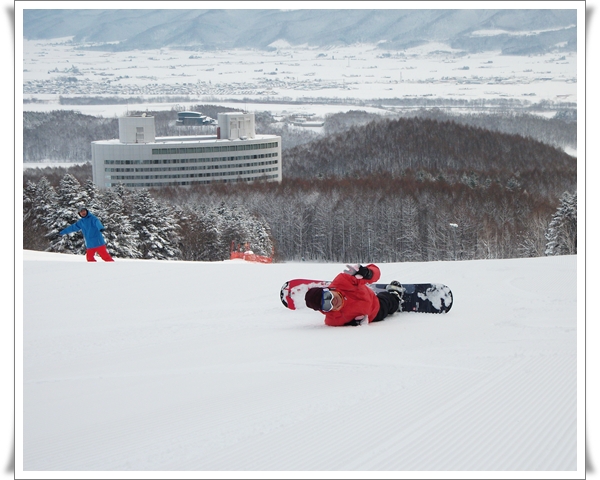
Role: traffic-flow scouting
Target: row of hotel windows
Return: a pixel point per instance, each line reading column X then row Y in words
column 188, row 160
column 224, row 148
column 195, row 168
column 191, row 175
column 193, row 182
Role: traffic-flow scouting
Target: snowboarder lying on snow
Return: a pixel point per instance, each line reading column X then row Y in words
column 349, row 301
column 91, row 228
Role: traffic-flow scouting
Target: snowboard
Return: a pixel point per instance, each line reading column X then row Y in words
column 418, row 297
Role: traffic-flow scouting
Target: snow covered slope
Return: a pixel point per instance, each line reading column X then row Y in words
column 163, row 366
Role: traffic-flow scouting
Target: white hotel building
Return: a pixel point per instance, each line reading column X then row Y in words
column 140, row 159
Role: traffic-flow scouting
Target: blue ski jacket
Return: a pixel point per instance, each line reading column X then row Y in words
column 91, row 228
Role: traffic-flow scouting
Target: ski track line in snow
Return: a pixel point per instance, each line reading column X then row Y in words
column 405, row 443
column 224, row 417
column 315, row 446
column 305, row 441
column 200, row 428
column 116, row 445
column 487, row 410
column 332, row 443
column 289, row 410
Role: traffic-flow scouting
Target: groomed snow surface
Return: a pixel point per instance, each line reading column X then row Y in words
column 150, row 367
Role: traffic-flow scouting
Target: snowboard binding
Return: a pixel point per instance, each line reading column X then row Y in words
column 396, row 289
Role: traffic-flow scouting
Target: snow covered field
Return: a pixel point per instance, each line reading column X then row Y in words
column 197, row 369
column 358, row 71
column 288, row 73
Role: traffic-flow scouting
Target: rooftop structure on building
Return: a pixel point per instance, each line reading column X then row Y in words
column 140, row 159
column 194, row 118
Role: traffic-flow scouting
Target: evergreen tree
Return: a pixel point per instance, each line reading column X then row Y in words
column 38, row 201
column 156, row 226
column 234, row 223
column 70, row 198
column 43, row 201
column 562, row 231
column 91, row 191
column 199, row 235
column 259, row 234
column 230, row 228
column 121, row 238
column 28, row 198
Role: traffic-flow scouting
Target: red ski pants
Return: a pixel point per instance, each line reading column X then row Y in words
column 102, row 251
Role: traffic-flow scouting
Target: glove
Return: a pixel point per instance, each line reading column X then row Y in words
column 352, row 269
column 359, row 271
column 354, row 323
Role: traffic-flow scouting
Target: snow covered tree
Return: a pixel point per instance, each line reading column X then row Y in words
column 41, row 199
column 234, row 223
column 562, row 231
column 156, row 226
column 121, row 238
column 408, row 230
column 533, row 243
column 70, row 197
column 231, row 228
column 28, row 196
column 92, row 192
column 39, row 203
column 199, row 234
column 259, row 233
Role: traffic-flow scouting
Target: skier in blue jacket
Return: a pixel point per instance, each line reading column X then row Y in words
column 91, row 228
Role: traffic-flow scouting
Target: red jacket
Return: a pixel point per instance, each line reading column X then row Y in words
column 359, row 300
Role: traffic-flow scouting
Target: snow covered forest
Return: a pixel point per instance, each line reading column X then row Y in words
column 303, row 221
column 136, row 224
column 389, row 190
column 65, row 135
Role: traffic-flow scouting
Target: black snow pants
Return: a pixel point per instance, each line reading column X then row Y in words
column 388, row 304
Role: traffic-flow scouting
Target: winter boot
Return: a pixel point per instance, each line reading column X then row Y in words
column 396, row 289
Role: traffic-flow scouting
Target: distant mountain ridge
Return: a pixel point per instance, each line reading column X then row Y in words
column 510, row 31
